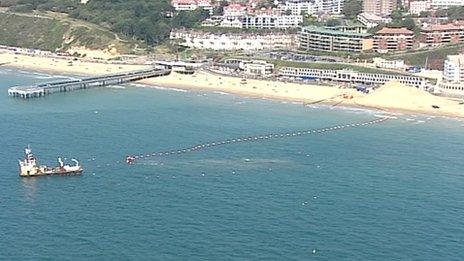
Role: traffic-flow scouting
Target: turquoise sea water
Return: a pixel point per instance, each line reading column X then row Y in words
column 393, row 191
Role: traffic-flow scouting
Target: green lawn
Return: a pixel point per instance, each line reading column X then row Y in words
column 31, row 32
column 418, row 58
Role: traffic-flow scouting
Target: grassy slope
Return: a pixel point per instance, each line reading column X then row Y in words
column 418, row 58
column 55, row 32
column 31, row 32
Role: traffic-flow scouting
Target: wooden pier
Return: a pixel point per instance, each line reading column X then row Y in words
column 43, row 89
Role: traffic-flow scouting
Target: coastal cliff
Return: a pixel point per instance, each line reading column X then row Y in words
column 55, row 32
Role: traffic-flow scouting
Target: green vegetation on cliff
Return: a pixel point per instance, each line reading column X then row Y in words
column 31, row 32
column 55, row 32
column 146, row 20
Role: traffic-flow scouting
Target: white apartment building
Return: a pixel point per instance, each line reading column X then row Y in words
column 405, row 3
column 298, row 7
column 238, row 41
column 330, row 6
column 271, row 21
column 446, row 3
column 371, row 20
column 257, row 67
column 454, row 68
column 388, row 64
column 417, row 7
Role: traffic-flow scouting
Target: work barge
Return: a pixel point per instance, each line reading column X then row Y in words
column 43, row 89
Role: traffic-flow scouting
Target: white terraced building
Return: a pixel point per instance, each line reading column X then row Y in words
column 297, row 7
column 239, row 41
column 271, row 21
column 446, row 3
column 453, row 89
column 352, row 77
column 262, row 21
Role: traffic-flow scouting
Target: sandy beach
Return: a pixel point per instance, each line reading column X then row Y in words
column 391, row 97
column 255, row 88
column 67, row 66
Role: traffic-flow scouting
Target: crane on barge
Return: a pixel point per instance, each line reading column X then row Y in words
column 29, row 167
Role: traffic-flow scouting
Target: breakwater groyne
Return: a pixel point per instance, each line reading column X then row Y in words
column 256, row 138
column 43, row 89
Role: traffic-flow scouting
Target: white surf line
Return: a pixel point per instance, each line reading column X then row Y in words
column 262, row 137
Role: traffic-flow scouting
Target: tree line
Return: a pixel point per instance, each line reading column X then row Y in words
column 147, row 20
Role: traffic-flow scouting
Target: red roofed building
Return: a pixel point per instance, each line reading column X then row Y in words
column 393, row 39
column 439, row 34
column 235, row 10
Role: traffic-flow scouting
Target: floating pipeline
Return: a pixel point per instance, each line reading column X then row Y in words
column 131, row 159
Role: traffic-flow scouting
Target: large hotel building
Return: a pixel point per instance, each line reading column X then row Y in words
column 393, row 39
column 313, row 38
column 379, row 7
column 439, row 34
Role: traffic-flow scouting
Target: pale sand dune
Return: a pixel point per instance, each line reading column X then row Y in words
column 392, row 97
column 109, row 53
column 397, row 96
